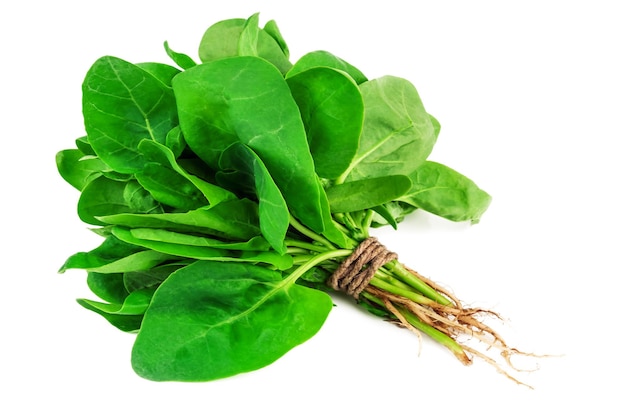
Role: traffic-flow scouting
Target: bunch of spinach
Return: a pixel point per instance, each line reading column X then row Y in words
column 228, row 191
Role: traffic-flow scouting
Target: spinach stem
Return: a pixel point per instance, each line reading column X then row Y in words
column 317, row 259
column 410, row 279
column 304, row 245
column 312, row 235
column 435, row 334
column 408, row 294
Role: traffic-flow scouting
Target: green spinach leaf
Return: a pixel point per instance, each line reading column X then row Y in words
column 398, row 134
column 211, row 320
column 318, row 59
column 447, row 193
column 244, row 99
column 367, row 193
column 228, row 39
column 123, row 104
column 240, row 160
column 331, row 108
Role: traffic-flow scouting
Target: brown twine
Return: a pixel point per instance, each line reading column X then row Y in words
column 354, row 274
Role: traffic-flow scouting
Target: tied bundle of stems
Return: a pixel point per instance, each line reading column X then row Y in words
column 234, row 194
column 374, row 277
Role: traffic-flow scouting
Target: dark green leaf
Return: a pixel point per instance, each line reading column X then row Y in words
column 367, row 193
column 273, row 211
column 245, row 99
column 332, row 112
column 123, row 104
column 212, row 320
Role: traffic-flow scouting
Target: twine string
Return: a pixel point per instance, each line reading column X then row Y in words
column 354, row 274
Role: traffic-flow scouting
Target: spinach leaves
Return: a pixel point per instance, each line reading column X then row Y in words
column 228, row 191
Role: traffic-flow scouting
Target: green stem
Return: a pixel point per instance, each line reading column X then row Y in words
column 367, row 221
column 395, row 290
column 410, row 279
column 435, row 334
column 312, row 235
column 305, row 245
column 315, row 260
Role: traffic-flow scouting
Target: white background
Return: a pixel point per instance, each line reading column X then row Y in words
column 531, row 97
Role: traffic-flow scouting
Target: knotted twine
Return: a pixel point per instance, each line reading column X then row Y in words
column 354, row 274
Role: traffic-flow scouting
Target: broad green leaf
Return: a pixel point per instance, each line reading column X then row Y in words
column 332, row 112
column 77, row 169
column 235, row 220
column 397, row 135
column 273, row 210
column 123, row 104
column 108, row 286
column 245, row 99
column 325, row 59
column 211, row 320
column 445, row 192
column 103, row 196
column 223, row 39
column 156, row 152
column 182, row 60
column 367, row 193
